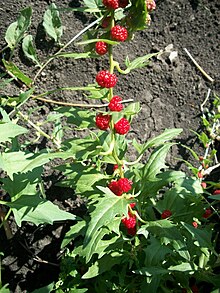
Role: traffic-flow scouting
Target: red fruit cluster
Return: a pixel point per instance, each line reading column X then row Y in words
column 122, row 126
column 121, row 186
column 151, row 5
column 166, row 214
column 115, row 104
column 101, row 48
column 102, row 121
column 114, row 4
column 119, row 33
column 130, row 221
column 207, row 213
column 106, row 79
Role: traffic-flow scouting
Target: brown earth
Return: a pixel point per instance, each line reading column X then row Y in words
column 170, row 92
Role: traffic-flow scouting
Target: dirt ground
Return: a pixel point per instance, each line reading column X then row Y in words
column 170, row 93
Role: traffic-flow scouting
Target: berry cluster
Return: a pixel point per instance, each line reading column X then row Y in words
column 102, row 121
column 119, row 33
column 101, row 48
column 130, row 223
column 122, row 126
column 120, row 186
column 106, row 79
column 115, row 104
column 166, row 214
column 114, row 4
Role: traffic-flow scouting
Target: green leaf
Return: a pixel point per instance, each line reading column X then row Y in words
column 105, row 211
column 78, row 55
column 151, row 271
column 137, row 16
column 104, row 264
column 81, row 178
column 36, row 210
column 4, row 289
column 183, row 267
column 16, row 30
column 92, row 3
column 156, row 162
column 76, row 230
column 52, row 23
column 29, row 50
column 83, row 119
column 10, row 130
column 46, row 289
column 201, row 238
column 12, row 68
column 167, row 135
column 139, row 62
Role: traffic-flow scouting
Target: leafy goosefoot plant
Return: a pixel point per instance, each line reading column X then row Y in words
column 145, row 224
column 121, row 243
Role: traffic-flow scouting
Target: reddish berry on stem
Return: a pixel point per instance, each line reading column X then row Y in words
column 106, row 79
column 204, row 185
column 115, row 104
column 130, row 221
column 122, row 126
column 195, row 224
column 111, row 4
column 106, row 22
column 119, row 33
column 200, row 175
column 207, row 213
column 132, row 231
column 166, row 214
column 121, row 186
column 217, row 191
column 101, row 48
column 102, row 121
column 151, row 5
column 132, row 204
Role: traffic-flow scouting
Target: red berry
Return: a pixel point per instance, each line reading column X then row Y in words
column 119, row 33
column 194, row 289
column 217, row 191
column 120, row 186
column 207, row 213
column 166, row 214
column 111, row 4
column 200, row 175
column 204, row 185
column 115, row 167
column 115, row 104
column 102, row 121
column 101, row 48
column 122, row 126
column 132, row 231
column 106, row 79
column 195, row 224
column 123, row 3
column 130, row 221
column 151, row 5
column 201, row 158
column 132, row 204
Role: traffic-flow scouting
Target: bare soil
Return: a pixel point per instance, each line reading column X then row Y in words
column 170, row 93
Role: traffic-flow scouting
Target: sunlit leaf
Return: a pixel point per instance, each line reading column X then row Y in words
column 29, row 50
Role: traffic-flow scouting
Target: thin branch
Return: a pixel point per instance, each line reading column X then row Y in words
column 65, row 46
column 198, row 66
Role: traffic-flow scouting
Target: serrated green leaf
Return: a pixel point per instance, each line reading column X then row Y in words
column 81, row 178
column 132, row 109
column 78, row 229
column 12, row 68
column 167, row 135
column 52, row 23
column 105, row 211
column 156, row 162
column 10, row 130
column 184, row 267
column 104, row 264
column 83, row 119
column 29, row 50
column 17, row 29
column 32, row 208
